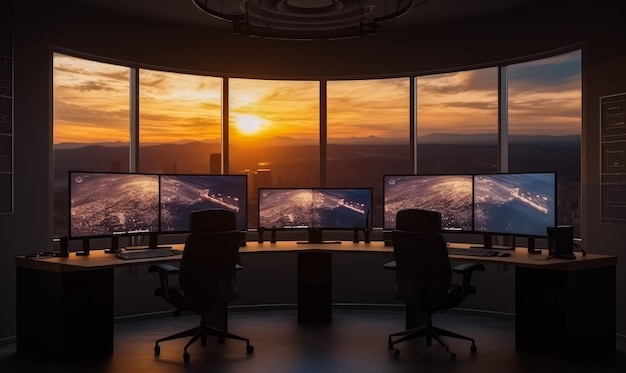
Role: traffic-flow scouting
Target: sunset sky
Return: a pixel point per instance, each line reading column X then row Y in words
column 91, row 104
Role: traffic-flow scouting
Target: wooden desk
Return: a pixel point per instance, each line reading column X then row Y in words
column 65, row 305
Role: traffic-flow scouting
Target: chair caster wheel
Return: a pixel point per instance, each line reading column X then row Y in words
column 157, row 350
column 249, row 349
column 473, row 349
column 394, row 352
column 452, row 356
column 186, row 357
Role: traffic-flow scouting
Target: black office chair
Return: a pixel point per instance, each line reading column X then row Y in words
column 418, row 220
column 423, row 277
column 206, row 276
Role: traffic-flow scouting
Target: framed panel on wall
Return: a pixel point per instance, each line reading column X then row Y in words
column 613, row 158
column 6, row 120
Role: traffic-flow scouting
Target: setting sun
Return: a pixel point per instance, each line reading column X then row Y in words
column 249, row 124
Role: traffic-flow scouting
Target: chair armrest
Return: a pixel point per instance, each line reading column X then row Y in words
column 466, row 269
column 164, row 271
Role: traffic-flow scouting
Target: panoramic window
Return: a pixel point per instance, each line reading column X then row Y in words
column 457, row 122
column 368, row 135
column 545, row 126
column 90, row 123
column 274, row 135
column 179, row 123
column 274, row 127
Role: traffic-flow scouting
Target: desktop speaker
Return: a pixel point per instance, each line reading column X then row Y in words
column 561, row 242
column 273, row 234
column 260, row 231
column 387, row 237
column 64, row 247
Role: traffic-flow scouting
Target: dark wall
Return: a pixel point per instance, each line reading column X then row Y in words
column 604, row 60
column 524, row 34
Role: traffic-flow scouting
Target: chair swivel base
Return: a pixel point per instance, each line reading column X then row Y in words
column 201, row 332
column 429, row 331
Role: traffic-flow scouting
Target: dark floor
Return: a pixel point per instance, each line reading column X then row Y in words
column 356, row 341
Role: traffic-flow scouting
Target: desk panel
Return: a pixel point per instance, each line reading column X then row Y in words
column 64, row 316
column 566, row 312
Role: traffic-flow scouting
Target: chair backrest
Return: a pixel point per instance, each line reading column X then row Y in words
column 212, row 220
column 423, row 270
column 418, row 220
column 207, row 269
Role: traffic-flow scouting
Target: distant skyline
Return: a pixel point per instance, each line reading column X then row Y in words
column 91, row 104
column 433, row 138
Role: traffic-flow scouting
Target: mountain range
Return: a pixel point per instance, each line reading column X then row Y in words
column 433, row 138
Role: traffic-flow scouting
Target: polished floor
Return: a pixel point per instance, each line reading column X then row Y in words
column 355, row 341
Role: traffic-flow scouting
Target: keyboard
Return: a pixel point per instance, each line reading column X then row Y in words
column 472, row 252
column 150, row 253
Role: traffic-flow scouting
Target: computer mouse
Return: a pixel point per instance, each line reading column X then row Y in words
column 502, row 253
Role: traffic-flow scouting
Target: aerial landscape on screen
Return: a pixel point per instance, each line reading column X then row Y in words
column 109, row 203
column 515, row 203
column 182, row 194
column 314, row 208
column 449, row 194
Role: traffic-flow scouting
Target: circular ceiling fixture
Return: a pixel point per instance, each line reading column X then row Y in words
column 307, row 19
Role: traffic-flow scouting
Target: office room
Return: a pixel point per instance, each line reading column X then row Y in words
column 64, row 54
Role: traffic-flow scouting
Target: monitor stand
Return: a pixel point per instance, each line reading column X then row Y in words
column 315, row 237
column 85, row 248
column 488, row 243
column 153, row 243
column 115, row 246
column 531, row 246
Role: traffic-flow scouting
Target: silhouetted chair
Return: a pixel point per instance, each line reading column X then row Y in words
column 424, row 274
column 206, row 277
column 418, row 220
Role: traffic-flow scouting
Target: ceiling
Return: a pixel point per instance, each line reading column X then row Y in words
column 186, row 12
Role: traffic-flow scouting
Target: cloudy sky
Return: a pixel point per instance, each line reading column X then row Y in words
column 91, row 104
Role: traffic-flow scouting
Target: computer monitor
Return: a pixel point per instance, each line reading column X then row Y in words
column 103, row 204
column 321, row 208
column 518, row 204
column 182, row 194
column 451, row 195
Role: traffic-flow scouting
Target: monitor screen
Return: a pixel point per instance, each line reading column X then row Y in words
column 182, row 194
column 325, row 208
column 519, row 204
column 451, row 195
column 106, row 203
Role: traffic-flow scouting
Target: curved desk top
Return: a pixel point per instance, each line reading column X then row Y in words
column 98, row 259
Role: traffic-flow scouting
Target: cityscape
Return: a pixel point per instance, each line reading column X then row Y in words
column 348, row 166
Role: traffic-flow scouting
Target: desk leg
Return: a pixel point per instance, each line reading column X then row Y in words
column 64, row 316
column 314, row 287
column 565, row 312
